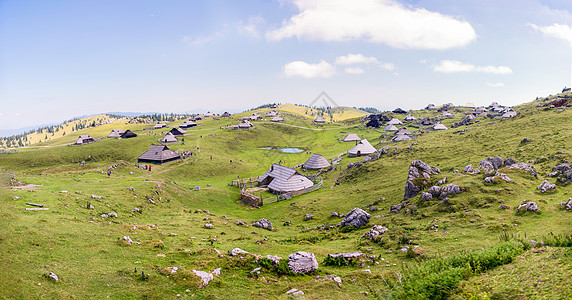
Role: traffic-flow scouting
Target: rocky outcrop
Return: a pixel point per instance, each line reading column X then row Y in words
column 500, row 176
column 528, row 206
column 263, row 223
column 524, row 166
column 546, row 186
column 450, row 189
column 563, row 172
column 375, row 231
column 237, row 251
column 426, row 196
column 417, row 170
column 491, row 164
column 395, row 208
column 302, row 262
column 567, row 204
column 468, row 169
column 357, row 217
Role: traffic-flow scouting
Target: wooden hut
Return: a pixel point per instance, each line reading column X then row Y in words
column 84, row 139
column 316, row 162
column 177, row 131
column 158, row 154
column 352, row 137
column 128, row 134
column 168, row 138
column 115, row 133
column 362, row 148
column 319, row 120
column 281, row 179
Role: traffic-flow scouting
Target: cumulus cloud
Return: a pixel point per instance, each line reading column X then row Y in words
column 251, row 28
column 376, row 21
column 307, row 70
column 559, row 31
column 355, row 59
column 359, row 58
column 354, row 70
column 454, row 66
column 496, row 84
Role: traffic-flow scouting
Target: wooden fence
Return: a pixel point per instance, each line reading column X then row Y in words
column 244, row 182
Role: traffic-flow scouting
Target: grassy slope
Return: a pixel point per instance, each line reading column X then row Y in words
column 85, row 251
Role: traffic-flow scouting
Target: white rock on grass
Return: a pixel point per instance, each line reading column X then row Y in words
column 529, row 206
column 237, row 251
column 357, row 217
column 302, row 262
column 53, row 276
column 205, row 277
column 546, row 186
column 294, row 292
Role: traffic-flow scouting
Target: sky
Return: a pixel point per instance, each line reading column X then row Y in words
column 62, row 59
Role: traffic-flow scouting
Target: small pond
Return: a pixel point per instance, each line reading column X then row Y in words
column 284, row 150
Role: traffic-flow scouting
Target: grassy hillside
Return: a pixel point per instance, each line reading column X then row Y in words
column 466, row 247
column 335, row 114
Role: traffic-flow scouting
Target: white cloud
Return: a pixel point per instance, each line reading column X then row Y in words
column 251, row 28
column 497, row 84
column 354, row 70
column 387, row 66
column 306, row 70
column 200, row 40
column 559, row 31
column 454, row 66
column 377, row 21
column 355, row 59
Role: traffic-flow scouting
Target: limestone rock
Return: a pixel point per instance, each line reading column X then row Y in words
column 417, row 169
column 53, row 276
column 205, row 277
column 334, row 215
column 450, row 189
column 375, row 231
column 302, row 262
column 127, row 239
column 240, row 223
column 275, row 259
column 468, row 169
column 528, row 206
column 209, row 225
column 435, row 190
column 263, row 223
column 357, row 217
column 524, row 166
column 237, row 251
column 426, row 196
column 567, row 204
column 335, row 278
column 546, row 186
column 294, row 292
column 113, row 214
column 395, row 208
column 308, row 217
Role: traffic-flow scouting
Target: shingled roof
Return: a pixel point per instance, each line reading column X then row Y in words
column 128, row 134
column 169, row 138
column 158, row 154
column 362, row 148
column 320, row 120
column 281, row 179
column 394, row 121
column 177, row 131
column 316, row 161
column 352, row 137
column 84, row 139
column 115, row 133
column 439, row 126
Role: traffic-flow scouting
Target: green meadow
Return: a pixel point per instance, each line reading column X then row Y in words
column 476, row 251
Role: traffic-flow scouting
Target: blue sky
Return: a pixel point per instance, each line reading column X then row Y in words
column 60, row 59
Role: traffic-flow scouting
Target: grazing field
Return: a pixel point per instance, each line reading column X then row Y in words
column 463, row 247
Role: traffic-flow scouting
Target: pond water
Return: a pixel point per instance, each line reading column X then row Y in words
column 284, row 150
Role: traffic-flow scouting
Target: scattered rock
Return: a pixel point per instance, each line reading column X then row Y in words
column 113, row 214
column 528, row 206
column 524, row 166
column 426, row 196
column 95, row 196
column 508, row 162
column 256, row 271
column 357, row 217
column 546, row 186
column 275, row 259
column 375, row 231
column 334, row 215
column 372, row 208
column 435, row 191
column 136, row 209
column 443, row 181
column 468, row 169
column 418, row 169
column 205, row 277
column 450, row 189
column 240, row 223
column 53, row 276
column 209, row 225
column 302, row 262
column 237, row 251
column 308, row 217
column 104, row 216
column 525, row 140
column 127, row 239
column 335, row 278
column 263, row 223
column 490, row 164
column 504, row 206
column 216, row 272
column 567, row 204
column 294, row 292
column 395, row 208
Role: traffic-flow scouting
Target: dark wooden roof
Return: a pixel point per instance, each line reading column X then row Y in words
column 158, row 154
